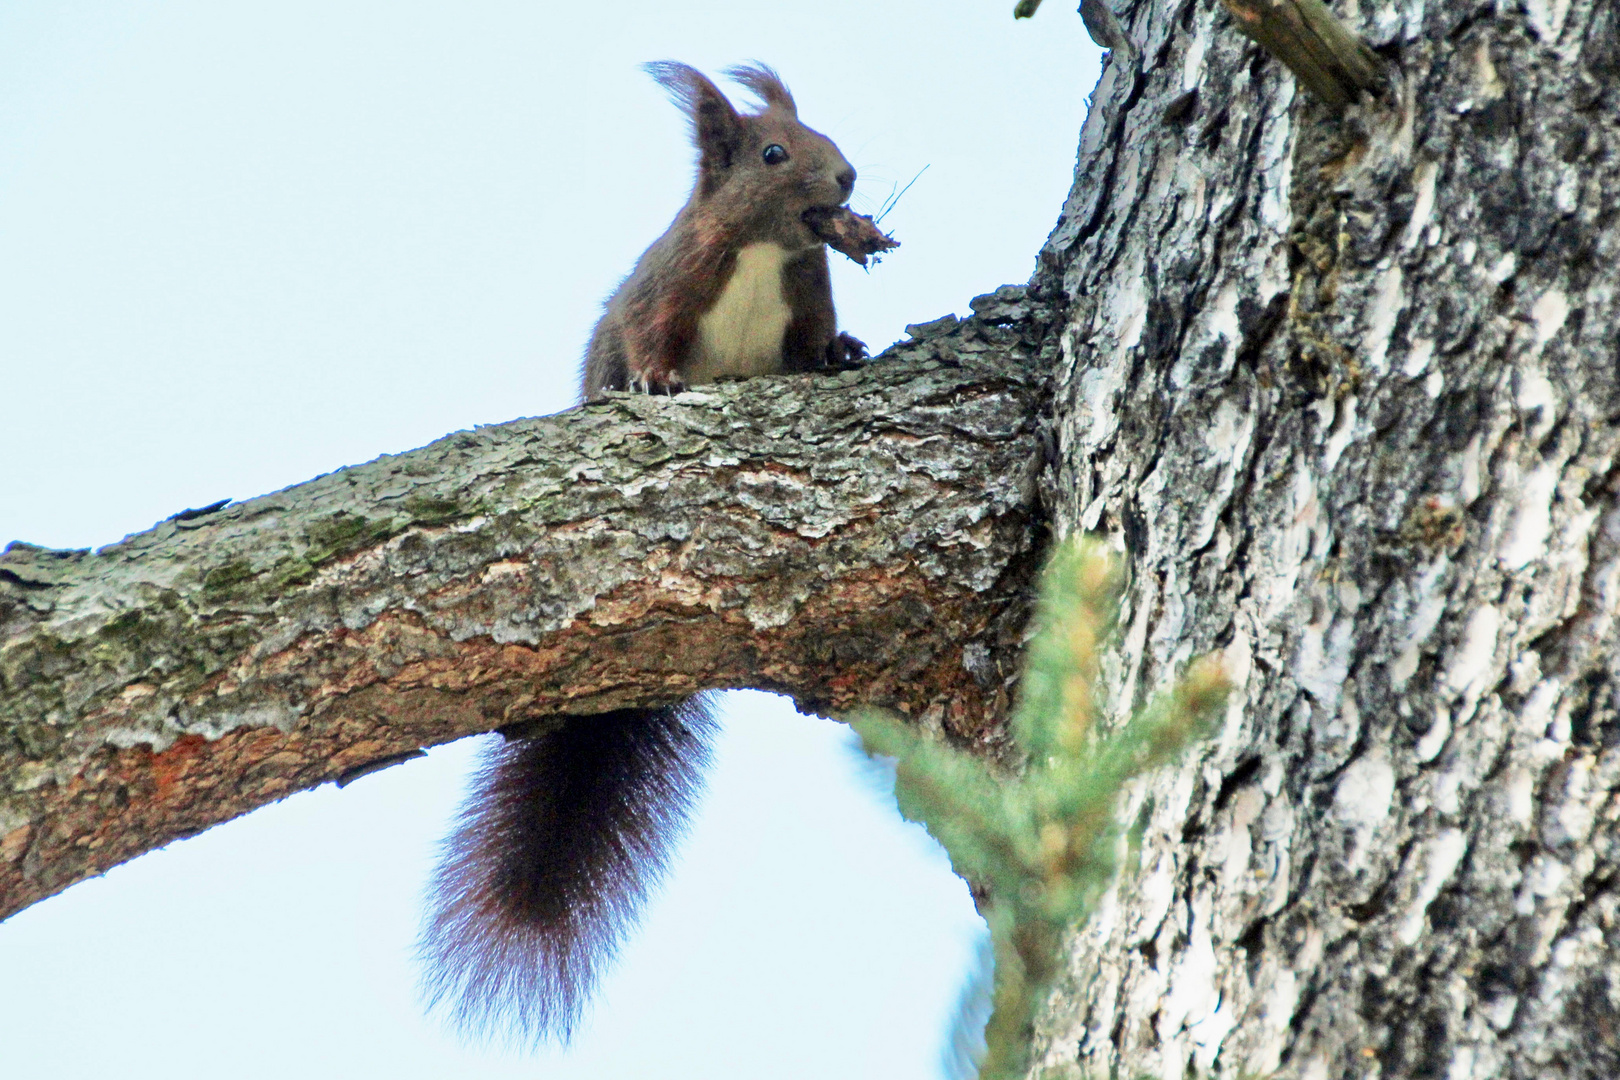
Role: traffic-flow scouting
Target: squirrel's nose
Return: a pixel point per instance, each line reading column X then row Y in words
column 846, row 181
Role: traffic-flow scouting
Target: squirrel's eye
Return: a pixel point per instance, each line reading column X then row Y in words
column 775, row 155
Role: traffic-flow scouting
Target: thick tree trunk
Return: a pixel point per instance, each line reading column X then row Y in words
column 1346, row 389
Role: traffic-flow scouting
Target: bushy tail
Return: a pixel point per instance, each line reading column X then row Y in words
column 550, row 860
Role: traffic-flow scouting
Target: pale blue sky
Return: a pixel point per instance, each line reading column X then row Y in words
column 242, row 244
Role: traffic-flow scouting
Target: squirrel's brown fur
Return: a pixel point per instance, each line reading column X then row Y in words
column 564, row 833
column 554, row 851
column 757, row 175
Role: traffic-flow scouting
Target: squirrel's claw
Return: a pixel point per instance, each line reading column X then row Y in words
column 845, row 352
column 664, row 387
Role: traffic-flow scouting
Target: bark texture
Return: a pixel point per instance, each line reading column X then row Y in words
column 1346, row 390
column 859, row 537
column 1342, row 384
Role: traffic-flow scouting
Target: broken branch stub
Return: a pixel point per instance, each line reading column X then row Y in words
column 1324, row 54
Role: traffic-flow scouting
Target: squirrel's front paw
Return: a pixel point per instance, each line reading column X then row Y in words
column 845, row 352
column 667, row 387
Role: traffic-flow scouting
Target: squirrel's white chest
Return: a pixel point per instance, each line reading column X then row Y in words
column 742, row 333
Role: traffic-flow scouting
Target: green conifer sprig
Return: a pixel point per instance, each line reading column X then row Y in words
column 1041, row 844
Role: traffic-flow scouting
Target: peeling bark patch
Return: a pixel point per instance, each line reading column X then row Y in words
column 1471, row 663
column 1444, row 852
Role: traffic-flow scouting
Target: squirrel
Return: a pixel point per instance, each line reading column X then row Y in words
column 565, row 832
column 738, row 284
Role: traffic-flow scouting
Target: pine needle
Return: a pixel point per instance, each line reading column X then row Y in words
column 1042, row 844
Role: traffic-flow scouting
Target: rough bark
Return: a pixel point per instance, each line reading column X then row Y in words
column 1344, row 386
column 1346, row 389
column 859, row 537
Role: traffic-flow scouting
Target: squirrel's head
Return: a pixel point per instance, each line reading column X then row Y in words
column 757, row 170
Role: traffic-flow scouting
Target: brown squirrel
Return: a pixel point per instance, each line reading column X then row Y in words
column 738, row 283
column 565, row 832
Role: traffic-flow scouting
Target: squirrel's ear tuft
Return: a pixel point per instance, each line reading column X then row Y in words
column 716, row 128
column 766, row 84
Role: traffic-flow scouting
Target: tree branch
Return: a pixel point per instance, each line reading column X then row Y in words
column 855, row 538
